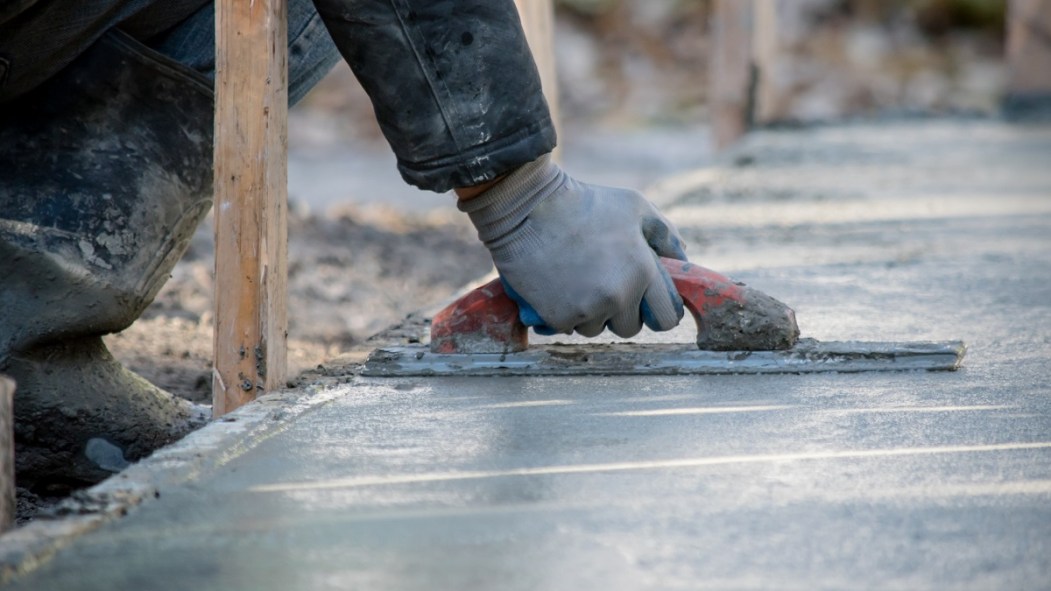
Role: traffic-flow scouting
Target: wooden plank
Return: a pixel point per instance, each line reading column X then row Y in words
column 1029, row 48
column 7, row 454
column 251, row 107
column 538, row 20
column 731, row 71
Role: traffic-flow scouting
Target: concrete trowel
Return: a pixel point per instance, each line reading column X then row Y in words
column 740, row 330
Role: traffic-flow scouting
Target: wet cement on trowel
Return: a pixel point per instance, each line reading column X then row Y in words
column 758, row 322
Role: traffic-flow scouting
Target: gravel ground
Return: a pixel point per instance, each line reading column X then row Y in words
column 352, row 273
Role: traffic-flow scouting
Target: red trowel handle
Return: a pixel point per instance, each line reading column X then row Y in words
column 730, row 316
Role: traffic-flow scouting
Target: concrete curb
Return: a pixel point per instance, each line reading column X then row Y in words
column 202, row 452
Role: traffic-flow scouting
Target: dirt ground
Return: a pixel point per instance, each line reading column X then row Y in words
column 352, row 272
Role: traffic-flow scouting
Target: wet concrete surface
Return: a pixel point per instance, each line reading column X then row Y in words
column 908, row 480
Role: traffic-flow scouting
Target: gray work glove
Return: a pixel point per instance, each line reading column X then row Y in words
column 578, row 257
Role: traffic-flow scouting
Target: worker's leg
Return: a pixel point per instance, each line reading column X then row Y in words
column 452, row 82
column 107, row 174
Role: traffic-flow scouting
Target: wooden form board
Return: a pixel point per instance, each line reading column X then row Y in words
column 251, row 269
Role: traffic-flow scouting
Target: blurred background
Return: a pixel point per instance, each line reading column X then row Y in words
column 634, row 90
column 630, row 63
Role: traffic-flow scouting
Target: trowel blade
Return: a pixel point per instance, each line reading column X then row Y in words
column 808, row 356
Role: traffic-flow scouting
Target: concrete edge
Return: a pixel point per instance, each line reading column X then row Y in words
column 202, row 452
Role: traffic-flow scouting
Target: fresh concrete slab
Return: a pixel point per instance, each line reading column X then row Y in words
column 903, row 480
column 892, row 480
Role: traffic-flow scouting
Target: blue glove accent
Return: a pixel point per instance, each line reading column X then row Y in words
column 526, row 313
column 647, row 315
column 662, row 239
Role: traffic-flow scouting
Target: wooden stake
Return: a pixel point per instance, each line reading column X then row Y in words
column 768, row 51
column 251, row 107
column 1029, row 48
column 731, row 81
column 538, row 17
column 7, row 454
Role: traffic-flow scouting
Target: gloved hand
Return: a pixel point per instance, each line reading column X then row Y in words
column 576, row 256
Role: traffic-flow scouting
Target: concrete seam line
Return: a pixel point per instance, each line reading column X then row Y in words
column 643, row 465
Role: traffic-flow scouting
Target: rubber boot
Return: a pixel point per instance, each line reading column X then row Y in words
column 107, row 173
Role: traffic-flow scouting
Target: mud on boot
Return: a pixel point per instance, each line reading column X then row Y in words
column 107, row 173
column 108, row 415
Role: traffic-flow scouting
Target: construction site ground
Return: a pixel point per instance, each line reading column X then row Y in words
column 906, row 230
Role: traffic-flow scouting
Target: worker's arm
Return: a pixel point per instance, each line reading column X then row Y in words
column 458, row 97
column 577, row 257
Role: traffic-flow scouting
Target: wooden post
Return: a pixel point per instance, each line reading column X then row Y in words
column 780, row 28
column 7, row 454
column 538, row 20
column 732, row 73
column 251, row 143
column 1029, row 49
column 768, row 49
column 750, row 81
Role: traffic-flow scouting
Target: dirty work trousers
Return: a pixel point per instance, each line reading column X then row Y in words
column 453, row 83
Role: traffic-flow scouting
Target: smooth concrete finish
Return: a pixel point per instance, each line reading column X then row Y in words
column 886, row 481
column 909, row 480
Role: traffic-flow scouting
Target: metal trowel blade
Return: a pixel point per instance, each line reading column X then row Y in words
column 807, row 356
